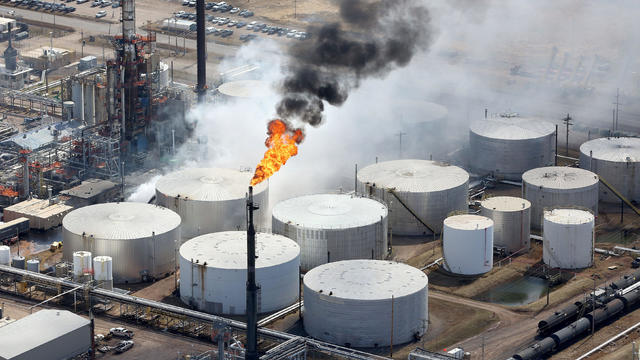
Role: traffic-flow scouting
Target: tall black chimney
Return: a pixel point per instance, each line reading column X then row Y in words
column 251, row 352
column 201, row 87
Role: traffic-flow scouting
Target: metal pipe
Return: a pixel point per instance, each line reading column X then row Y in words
column 177, row 310
column 252, row 289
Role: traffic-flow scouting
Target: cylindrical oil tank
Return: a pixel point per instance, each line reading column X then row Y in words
column 211, row 199
column 5, row 255
column 243, row 90
column 81, row 265
column 19, row 262
column 333, row 227
column 418, row 119
column 213, row 272
column 617, row 161
column 506, row 147
column 467, row 244
column 558, row 186
column 140, row 238
column 351, row 303
column 568, row 238
column 430, row 189
column 511, row 221
column 103, row 271
column 67, row 110
column 33, row 265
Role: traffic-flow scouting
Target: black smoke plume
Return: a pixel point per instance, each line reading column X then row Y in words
column 372, row 38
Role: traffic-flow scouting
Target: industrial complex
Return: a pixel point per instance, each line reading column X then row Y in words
column 319, row 179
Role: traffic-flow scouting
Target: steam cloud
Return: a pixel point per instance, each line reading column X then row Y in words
column 373, row 39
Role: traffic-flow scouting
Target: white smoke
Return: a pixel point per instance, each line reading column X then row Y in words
column 476, row 45
column 144, row 192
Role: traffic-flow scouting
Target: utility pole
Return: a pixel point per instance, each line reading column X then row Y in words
column 616, row 112
column 400, row 134
column 567, row 122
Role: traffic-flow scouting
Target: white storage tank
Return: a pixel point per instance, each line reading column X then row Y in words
column 333, row 227
column 617, row 160
column 33, row 265
column 467, row 244
column 5, row 255
column 81, row 264
column 350, row 303
column 568, row 238
column 213, row 272
column 557, row 186
column 507, row 146
column 103, row 271
column 211, row 199
column 511, row 222
column 431, row 189
column 140, row 238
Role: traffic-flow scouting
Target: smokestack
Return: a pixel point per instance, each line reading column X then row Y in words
column 10, row 54
column 252, row 289
column 201, row 87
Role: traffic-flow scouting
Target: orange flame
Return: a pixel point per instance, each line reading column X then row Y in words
column 282, row 143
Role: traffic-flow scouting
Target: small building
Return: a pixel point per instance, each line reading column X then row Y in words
column 47, row 334
column 87, row 62
column 48, row 58
column 92, row 191
column 42, row 214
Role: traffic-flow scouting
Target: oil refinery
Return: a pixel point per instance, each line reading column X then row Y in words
column 319, row 179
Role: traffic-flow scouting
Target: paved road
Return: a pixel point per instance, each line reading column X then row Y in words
column 108, row 27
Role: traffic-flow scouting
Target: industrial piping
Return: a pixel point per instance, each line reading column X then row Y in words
column 173, row 309
column 201, row 87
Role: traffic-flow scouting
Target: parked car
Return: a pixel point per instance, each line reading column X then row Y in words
column 81, row 1
column 105, row 3
column 101, row 13
column 96, row 3
column 185, row 2
column 121, row 332
column 241, row 24
column 115, row 4
column 123, row 346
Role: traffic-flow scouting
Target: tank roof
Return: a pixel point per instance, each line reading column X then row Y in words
column 244, row 88
column 121, row 221
column 506, row 203
column 414, row 175
column 208, row 184
column 411, row 111
column 560, row 177
column 365, row 279
column 512, row 128
column 568, row 216
column 329, row 211
column 622, row 149
column 228, row 250
column 468, row 222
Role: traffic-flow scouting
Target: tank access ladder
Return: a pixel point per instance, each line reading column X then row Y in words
column 392, row 192
column 619, row 195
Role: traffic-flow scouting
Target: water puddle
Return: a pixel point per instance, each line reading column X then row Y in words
column 522, row 291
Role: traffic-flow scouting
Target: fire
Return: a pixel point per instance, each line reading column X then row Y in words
column 282, row 144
